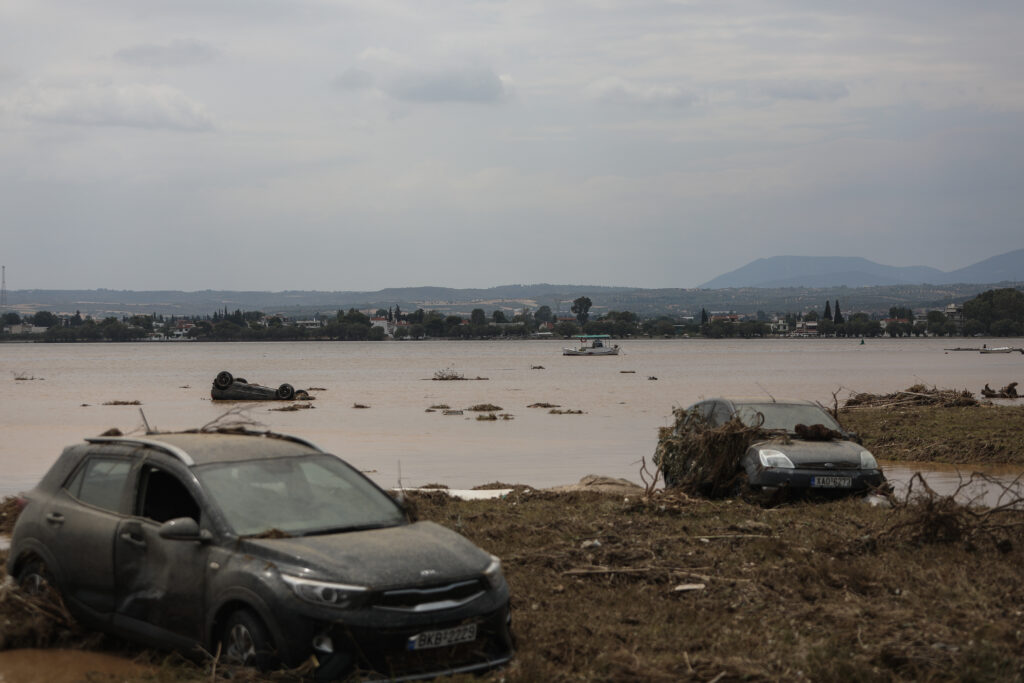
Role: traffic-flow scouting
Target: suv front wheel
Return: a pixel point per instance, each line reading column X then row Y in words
column 245, row 641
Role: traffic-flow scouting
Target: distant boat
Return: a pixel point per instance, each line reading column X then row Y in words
column 997, row 349
column 592, row 345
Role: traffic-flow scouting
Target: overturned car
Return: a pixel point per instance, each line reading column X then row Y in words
column 227, row 387
column 722, row 446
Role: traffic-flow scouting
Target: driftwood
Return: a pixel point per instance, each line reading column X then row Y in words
column 1009, row 391
column 917, row 395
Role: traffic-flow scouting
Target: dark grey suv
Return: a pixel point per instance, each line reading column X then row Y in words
column 265, row 545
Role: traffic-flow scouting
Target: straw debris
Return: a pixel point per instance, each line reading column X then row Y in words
column 916, row 395
column 699, row 459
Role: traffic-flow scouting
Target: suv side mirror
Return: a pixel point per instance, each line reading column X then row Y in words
column 183, row 529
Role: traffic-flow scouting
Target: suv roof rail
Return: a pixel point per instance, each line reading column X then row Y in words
column 152, row 443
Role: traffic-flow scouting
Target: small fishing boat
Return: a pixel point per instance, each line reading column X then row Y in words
column 592, row 345
column 997, row 349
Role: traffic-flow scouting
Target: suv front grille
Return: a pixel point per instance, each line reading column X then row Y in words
column 432, row 598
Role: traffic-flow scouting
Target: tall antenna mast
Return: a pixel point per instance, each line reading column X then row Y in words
column 3, row 286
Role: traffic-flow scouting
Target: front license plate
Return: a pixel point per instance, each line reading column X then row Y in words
column 832, row 482
column 448, row 636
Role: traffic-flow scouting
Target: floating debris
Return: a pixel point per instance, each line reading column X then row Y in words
column 484, row 408
column 1009, row 391
column 293, row 407
column 360, row 405
column 543, row 405
column 123, row 403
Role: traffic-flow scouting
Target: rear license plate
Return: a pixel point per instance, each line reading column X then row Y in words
column 448, row 636
column 832, row 482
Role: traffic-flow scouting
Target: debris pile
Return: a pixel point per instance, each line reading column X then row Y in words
column 924, row 517
column 699, row 459
column 917, row 395
column 10, row 508
column 1009, row 391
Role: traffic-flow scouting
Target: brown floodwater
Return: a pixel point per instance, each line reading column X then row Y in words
column 54, row 395
column 68, row 666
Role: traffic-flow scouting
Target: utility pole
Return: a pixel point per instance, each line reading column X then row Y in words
column 3, row 286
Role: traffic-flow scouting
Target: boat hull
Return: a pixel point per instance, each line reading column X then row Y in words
column 608, row 351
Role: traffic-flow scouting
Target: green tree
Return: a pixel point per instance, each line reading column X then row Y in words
column 477, row 317
column 581, row 309
column 543, row 314
column 566, row 329
column 837, row 316
column 901, row 313
column 996, row 305
column 45, row 319
column 10, row 318
column 498, row 317
column 827, row 315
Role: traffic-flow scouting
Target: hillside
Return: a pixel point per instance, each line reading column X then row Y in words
column 511, row 298
column 850, row 271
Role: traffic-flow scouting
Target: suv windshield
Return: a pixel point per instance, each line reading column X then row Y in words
column 298, row 496
column 784, row 416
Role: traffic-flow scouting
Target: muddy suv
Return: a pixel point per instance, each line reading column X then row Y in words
column 265, row 545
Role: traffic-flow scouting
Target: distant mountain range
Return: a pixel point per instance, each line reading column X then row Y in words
column 853, row 271
column 779, row 284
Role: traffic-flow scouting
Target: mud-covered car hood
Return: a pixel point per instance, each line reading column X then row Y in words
column 841, row 454
column 405, row 555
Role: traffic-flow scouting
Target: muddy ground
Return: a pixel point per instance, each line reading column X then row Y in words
column 614, row 587
column 959, row 435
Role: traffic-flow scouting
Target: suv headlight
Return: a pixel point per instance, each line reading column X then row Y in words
column 773, row 458
column 493, row 573
column 867, row 461
column 323, row 592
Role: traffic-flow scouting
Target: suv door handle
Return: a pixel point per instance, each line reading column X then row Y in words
column 136, row 541
column 55, row 518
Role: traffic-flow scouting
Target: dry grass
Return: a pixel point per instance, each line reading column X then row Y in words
column 609, row 589
column 981, row 434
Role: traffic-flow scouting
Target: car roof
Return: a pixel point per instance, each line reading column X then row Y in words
column 759, row 400
column 202, row 448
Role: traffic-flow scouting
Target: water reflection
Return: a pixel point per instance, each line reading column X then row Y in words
column 983, row 485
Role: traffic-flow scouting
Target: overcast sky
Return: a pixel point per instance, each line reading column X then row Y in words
column 333, row 145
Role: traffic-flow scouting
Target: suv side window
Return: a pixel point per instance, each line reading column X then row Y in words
column 100, row 482
column 162, row 496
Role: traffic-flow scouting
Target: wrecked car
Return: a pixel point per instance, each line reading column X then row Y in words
column 227, row 387
column 778, row 444
column 265, row 546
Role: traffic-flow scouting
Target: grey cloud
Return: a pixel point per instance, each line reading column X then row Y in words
column 618, row 91
column 818, row 91
column 354, row 79
column 466, row 84
column 135, row 106
column 174, row 54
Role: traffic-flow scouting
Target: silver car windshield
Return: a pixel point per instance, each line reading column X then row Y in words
column 784, row 416
column 296, row 496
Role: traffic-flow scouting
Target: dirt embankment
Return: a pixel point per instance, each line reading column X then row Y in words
column 961, row 435
column 671, row 588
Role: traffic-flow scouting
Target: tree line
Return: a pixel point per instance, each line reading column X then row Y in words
column 995, row 312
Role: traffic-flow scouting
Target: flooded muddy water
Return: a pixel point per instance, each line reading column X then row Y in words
column 67, row 666
column 56, row 394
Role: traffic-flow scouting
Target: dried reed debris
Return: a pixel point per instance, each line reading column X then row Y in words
column 700, row 459
column 916, row 395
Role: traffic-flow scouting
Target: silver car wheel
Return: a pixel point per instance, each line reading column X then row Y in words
column 241, row 645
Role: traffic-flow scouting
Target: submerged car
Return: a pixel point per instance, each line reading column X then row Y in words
column 227, row 387
column 264, row 545
column 813, row 452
